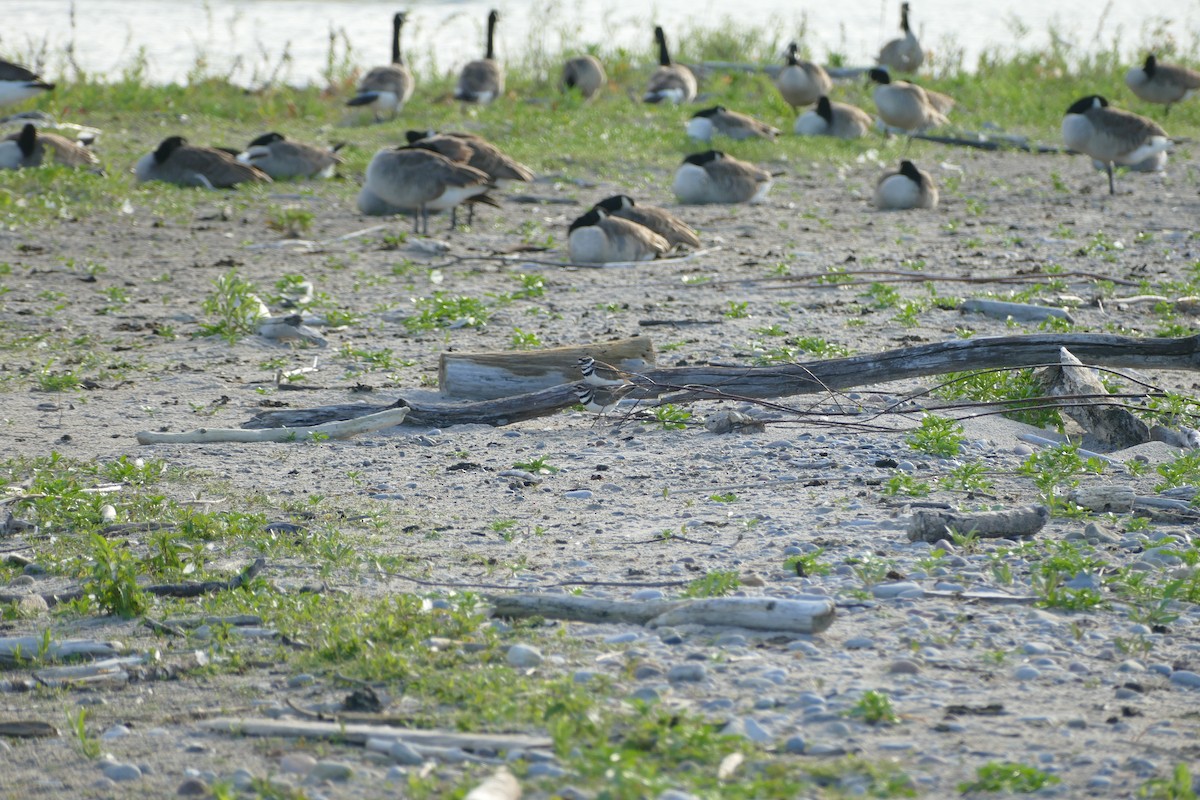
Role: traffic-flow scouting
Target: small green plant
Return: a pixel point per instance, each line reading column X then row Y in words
column 968, row 477
column 444, row 311
column 113, row 583
column 737, row 310
column 714, row 584
column 875, row 708
column 1056, row 469
column 807, row 564
column 538, row 466
column 1177, row 787
column 50, row 380
column 1008, row 777
column 235, row 305
column 939, row 436
column 89, row 746
column 723, row 497
column 870, row 570
column 671, row 417
column 290, row 220
column 905, row 484
column 524, row 340
column 1181, row 471
column 506, row 528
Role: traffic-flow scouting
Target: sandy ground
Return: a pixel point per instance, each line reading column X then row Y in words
column 798, row 484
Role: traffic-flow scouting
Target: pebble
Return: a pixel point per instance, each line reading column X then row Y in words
column 303, row 679
column 904, row 666
column 795, row 745
column 298, row 763
column 1027, row 673
column 192, row 787
column 115, row 732
column 1183, row 677
column 524, row 655
column 116, row 771
column 859, row 643
column 900, row 589
column 545, row 771
column 331, row 771
column 578, row 494
column 687, row 673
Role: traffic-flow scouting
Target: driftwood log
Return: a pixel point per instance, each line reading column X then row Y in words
column 784, row 380
column 331, row 430
column 359, row 733
column 1114, row 427
column 489, row 376
column 932, row 525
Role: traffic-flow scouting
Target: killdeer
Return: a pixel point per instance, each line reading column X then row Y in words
column 597, row 400
column 482, row 81
column 839, row 120
column 672, row 82
column 663, row 222
column 584, row 73
column 905, row 188
column 1110, row 135
column 175, row 161
column 283, row 159
column 419, row 181
column 597, row 238
column 1162, row 83
column 17, row 83
column 33, row 146
column 801, row 83
column 481, row 154
column 903, row 54
column 714, row 177
column 597, row 373
column 388, row 88
column 905, row 105
column 737, row 126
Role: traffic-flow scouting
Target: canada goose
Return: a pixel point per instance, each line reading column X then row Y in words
column 597, row 238
column 903, row 54
column 1110, row 135
column 176, row 161
column 713, row 177
column 419, row 181
column 905, row 105
column 801, row 83
column 387, row 88
column 719, row 119
column 663, row 222
column 1162, row 83
column 17, row 83
column 33, row 146
column 584, row 73
column 834, row 119
column 907, row 187
column 482, row 81
column 282, row 160
column 670, row 81
column 481, row 154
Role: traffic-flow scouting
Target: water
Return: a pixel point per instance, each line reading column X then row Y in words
column 246, row 40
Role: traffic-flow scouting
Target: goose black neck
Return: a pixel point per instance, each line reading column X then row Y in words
column 492, row 17
column 791, row 55
column 904, row 17
column 1150, row 66
column 664, row 56
column 825, row 109
column 167, row 147
column 27, row 140
column 397, row 23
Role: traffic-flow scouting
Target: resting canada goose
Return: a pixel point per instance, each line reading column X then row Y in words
column 713, row 177
column 903, row 54
column 1110, row 135
column 387, row 89
column 1162, row 83
column 834, row 119
column 584, row 73
column 719, row 119
column 663, row 222
column 419, row 181
column 482, row 81
column 176, row 161
column 907, row 187
column 282, row 160
column 17, row 83
column 673, row 82
column 801, row 83
column 481, row 154
column 33, row 146
column 905, row 105
column 597, row 238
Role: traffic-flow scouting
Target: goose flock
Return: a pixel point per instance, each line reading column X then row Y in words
column 432, row 171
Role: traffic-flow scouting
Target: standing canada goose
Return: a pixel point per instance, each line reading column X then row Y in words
column 673, row 82
column 387, row 89
column 17, row 83
column 283, row 160
column 1162, row 83
column 801, row 83
column 584, row 73
column 713, row 177
column 1110, row 135
column 482, row 81
column 597, row 238
column 834, row 119
column 419, row 181
column 480, row 154
column 903, row 54
column 905, row 105
column 176, row 161
column 33, row 146
column 663, row 222
column 905, row 188
column 719, row 119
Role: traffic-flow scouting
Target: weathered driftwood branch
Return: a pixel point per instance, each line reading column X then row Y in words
column 359, row 733
column 27, row 729
column 783, row 380
column 1115, row 427
column 1021, row 312
column 31, row 649
column 330, row 430
column 929, row 525
column 756, row 613
column 500, row 786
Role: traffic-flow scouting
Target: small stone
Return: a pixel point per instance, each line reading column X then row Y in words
column 583, row 676
column 406, row 754
column 298, row 763
column 1183, row 677
column 115, row 732
column 524, row 655
column 687, row 673
column 1036, row 648
column 578, row 494
column 192, row 787
column 899, row 589
column 331, row 771
column 904, row 666
column 795, row 745
column 303, row 679
column 1027, row 673
column 545, row 771
column 117, row 771
column 859, row 643
column 242, row 778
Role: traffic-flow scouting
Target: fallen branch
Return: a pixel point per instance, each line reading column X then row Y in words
column 27, row 729
column 932, row 525
column 359, row 733
column 331, row 430
column 756, row 613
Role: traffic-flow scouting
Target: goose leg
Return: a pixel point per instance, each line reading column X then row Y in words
column 417, row 221
column 1108, row 166
column 453, row 217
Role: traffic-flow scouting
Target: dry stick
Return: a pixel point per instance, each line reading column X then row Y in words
column 186, row 589
column 331, row 430
column 823, row 279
